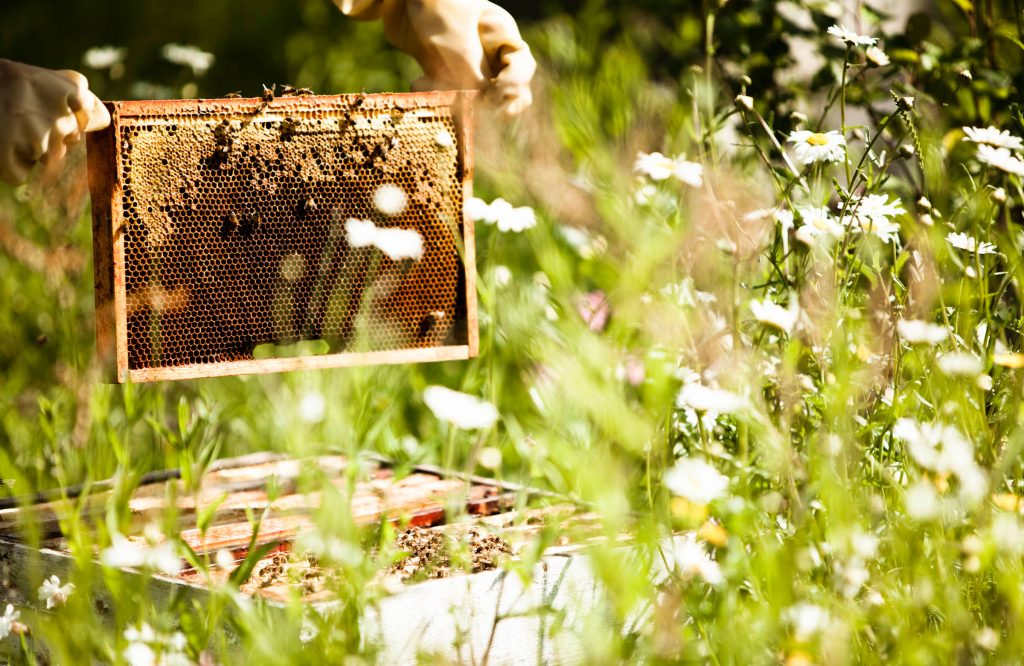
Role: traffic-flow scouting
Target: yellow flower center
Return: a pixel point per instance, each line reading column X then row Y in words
column 817, row 139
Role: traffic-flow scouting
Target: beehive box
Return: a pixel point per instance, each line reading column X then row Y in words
column 428, row 506
column 221, row 233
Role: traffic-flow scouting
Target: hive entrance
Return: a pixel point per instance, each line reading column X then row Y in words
column 220, row 232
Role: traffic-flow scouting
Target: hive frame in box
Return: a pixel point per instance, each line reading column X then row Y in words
column 107, row 186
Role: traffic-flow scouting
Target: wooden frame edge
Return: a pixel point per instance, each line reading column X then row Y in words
column 290, row 364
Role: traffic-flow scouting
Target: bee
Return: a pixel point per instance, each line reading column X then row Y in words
column 268, row 97
column 430, row 321
column 360, row 98
column 292, row 91
column 230, row 224
column 309, row 206
column 233, row 95
column 289, row 128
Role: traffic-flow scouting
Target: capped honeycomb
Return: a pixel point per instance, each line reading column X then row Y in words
column 225, row 241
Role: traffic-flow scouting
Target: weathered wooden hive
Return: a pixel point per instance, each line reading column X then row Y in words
column 221, row 244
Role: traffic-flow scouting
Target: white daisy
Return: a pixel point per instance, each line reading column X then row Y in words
column 653, row 165
column 689, row 173
column 690, row 558
column 153, row 553
column 937, row 447
column 819, row 228
column 876, row 56
column 500, row 212
column 1001, row 158
column 872, row 214
column 807, row 620
column 922, row 501
column 397, row 244
column 197, row 60
column 659, row 167
column 460, row 409
column 774, row 315
column 103, row 57
column 704, row 399
column 960, row 364
column 444, row 139
column 312, row 407
column 991, row 136
column 818, row 146
column 696, row 480
column 969, row 244
column 53, row 593
column 851, row 38
column 8, row 621
column 916, row 332
column 390, row 199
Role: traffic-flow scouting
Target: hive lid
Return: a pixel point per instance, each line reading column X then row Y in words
column 223, row 243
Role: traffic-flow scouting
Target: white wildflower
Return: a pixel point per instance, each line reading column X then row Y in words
column 103, row 57
column 872, row 214
column 312, row 407
column 991, row 136
column 819, row 228
column 153, row 553
column 390, row 200
column 502, row 275
column 477, row 209
column 970, row 244
column 197, row 60
column 1002, row 159
column 818, row 146
column 851, row 38
column 690, row 558
column 922, row 502
column 1007, row 533
column 987, row 638
column 876, row 56
column 8, row 621
column 916, row 332
column 461, row 410
column 444, row 139
column 53, row 593
column 704, row 399
column 501, row 213
column 696, row 480
column 139, row 654
column 397, row 244
column 960, row 364
column 937, row 447
column 653, row 165
column 689, row 173
column 659, row 167
column 774, row 315
column 808, row 620
column 490, row 457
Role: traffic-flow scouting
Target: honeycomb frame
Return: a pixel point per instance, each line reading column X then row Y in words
column 220, row 238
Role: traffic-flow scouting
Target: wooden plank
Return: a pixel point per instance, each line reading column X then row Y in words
column 262, row 366
column 464, row 126
column 103, row 147
column 149, row 109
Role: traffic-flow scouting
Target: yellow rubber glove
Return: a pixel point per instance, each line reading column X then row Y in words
column 459, row 43
column 42, row 112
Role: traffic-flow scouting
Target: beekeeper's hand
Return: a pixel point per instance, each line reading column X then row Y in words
column 459, row 43
column 42, row 112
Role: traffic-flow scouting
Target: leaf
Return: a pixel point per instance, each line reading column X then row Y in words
column 205, row 515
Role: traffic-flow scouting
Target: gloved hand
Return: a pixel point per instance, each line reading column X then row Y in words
column 459, row 43
column 42, row 112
